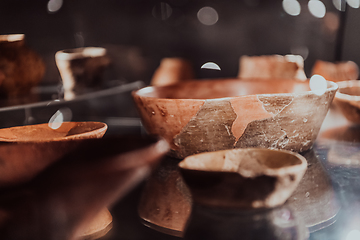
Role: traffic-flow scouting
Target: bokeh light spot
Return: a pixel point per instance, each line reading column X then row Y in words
column 353, row 3
column 210, row 65
column 208, row 16
column 317, row 8
column 54, row 5
column 318, row 84
column 353, row 235
column 62, row 115
column 162, row 11
column 291, row 7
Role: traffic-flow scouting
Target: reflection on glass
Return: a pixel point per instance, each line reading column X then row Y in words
column 353, row 235
column 162, row 11
column 353, row 4
column 62, row 115
column 210, row 65
column 318, row 84
column 208, row 16
column 317, row 8
column 54, row 5
column 291, row 7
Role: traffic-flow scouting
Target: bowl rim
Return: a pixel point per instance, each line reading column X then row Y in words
column 268, row 171
column 331, row 86
column 348, row 84
column 79, row 136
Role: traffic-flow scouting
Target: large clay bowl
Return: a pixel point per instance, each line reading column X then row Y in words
column 348, row 100
column 243, row 178
column 27, row 150
column 211, row 115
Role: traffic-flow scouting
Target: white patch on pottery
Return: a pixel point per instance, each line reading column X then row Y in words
column 318, row 84
column 62, row 115
column 211, row 65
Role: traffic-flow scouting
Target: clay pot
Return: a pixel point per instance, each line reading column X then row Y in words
column 211, row 115
column 347, row 99
column 81, row 69
column 243, row 178
column 27, row 150
column 20, row 67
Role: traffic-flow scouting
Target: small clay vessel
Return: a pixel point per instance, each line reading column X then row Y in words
column 81, row 69
column 21, row 68
column 347, row 99
column 211, row 115
column 243, row 178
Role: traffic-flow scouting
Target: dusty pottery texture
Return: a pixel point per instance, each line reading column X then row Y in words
column 243, row 178
column 211, row 115
column 27, row 150
column 347, row 99
column 81, row 69
column 21, row 68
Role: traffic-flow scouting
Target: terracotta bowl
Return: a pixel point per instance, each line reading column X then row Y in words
column 348, row 100
column 27, row 150
column 243, row 178
column 210, row 115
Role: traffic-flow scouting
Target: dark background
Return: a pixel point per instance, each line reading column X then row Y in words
column 138, row 34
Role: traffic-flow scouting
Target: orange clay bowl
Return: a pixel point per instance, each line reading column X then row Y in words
column 243, row 178
column 27, row 150
column 347, row 99
column 210, row 115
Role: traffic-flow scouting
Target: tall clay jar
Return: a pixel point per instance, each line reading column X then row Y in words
column 21, row 68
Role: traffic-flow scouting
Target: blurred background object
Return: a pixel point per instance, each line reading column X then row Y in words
column 272, row 66
column 339, row 71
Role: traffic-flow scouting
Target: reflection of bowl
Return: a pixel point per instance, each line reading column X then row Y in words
column 348, row 100
column 41, row 146
column 243, row 178
column 203, row 116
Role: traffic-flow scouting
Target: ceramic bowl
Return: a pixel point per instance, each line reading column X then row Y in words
column 348, row 100
column 210, row 115
column 243, row 178
column 27, row 150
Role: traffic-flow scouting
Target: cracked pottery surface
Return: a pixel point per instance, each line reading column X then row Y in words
column 210, row 115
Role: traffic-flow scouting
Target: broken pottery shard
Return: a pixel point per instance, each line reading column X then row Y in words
column 209, row 130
